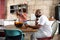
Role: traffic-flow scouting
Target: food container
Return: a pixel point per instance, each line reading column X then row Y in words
column 18, row 24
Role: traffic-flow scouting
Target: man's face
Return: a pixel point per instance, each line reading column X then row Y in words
column 38, row 14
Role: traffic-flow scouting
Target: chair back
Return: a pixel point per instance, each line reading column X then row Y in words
column 13, row 32
column 54, row 27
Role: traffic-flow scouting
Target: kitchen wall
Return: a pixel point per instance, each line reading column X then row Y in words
column 47, row 6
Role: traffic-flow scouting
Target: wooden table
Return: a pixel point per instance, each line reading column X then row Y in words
column 23, row 28
column 27, row 31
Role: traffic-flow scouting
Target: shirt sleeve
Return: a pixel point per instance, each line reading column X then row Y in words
column 42, row 20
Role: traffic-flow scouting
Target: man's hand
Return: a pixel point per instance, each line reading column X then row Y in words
column 26, row 25
column 36, row 21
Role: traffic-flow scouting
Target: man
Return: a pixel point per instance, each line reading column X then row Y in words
column 42, row 24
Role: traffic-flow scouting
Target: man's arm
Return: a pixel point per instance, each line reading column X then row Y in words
column 35, row 27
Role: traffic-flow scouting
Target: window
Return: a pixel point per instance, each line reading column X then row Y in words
column 20, row 8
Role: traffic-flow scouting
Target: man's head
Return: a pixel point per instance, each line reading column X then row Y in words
column 38, row 13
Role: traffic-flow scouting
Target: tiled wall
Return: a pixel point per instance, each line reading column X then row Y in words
column 47, row 6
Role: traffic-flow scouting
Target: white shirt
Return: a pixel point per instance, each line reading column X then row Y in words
column 45, row 30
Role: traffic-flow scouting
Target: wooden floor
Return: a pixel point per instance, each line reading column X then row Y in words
column 56, row 37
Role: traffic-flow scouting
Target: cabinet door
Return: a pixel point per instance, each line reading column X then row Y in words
column 2, row 9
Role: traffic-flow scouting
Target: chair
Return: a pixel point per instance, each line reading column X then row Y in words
column 54, row 29
column 55, row 26
column 13, row 35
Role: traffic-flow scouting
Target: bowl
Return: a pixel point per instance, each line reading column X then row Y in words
column 18, row 24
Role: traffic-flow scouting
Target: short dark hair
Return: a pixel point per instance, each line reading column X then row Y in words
column 38, row 10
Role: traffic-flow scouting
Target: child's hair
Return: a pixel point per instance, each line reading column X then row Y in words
column 17, row 13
